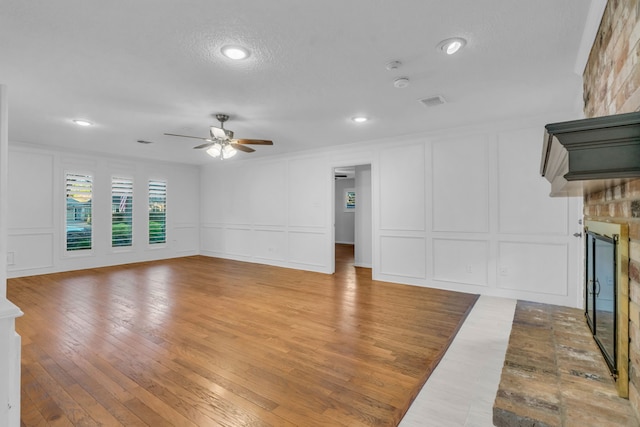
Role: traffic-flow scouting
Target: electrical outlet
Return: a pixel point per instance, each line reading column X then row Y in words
column 504, row 271
column 469, row 268
column 11, row 256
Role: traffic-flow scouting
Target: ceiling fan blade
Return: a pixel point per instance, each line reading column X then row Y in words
column 242, row 148
column 187, row 136
column 253, row 141
column 205, row 145
column 218, row 133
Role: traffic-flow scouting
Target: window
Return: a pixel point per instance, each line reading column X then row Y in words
column 78, row 195
column 157, row 212
column 121, row 212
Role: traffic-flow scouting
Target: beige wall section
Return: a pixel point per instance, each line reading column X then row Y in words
column 612, row 86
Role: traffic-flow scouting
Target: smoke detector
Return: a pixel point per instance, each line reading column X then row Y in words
column 433, row 101
column 401, row 82
column 393, row 65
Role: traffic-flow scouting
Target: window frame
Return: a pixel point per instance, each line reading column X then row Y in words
column 74, row 253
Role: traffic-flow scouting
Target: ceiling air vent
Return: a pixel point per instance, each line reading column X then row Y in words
column 433, row 101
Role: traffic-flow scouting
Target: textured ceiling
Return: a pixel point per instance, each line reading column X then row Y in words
column 138, row 69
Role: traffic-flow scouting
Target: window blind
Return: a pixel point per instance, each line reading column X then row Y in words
column 157, row 212
column 121, row 212
column 78, row 193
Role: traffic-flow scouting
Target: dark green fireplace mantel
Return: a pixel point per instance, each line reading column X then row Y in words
column 585, row 155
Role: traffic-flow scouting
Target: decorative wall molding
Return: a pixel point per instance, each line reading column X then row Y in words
column 461, row 261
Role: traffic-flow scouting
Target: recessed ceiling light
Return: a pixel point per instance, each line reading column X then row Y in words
column 360, row 119
column 235, row 52
column 451, row 46
column 81, row 122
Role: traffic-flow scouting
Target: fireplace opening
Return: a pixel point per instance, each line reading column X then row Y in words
column 606, row 295
column 600, row 294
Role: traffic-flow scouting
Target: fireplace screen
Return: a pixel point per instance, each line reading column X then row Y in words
column 600, row 293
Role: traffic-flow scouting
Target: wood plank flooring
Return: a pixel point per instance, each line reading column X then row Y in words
column 200, row 341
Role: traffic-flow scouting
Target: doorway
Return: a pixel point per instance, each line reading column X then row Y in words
column 352, row 216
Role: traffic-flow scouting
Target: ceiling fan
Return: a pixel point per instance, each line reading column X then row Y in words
column 221, row 143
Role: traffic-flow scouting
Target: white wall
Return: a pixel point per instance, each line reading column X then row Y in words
column 36, row 203
column 363, row 221
column 344, row 221
column 4, row 187
column 268, row 211
column 10, row 341
column 462, row 210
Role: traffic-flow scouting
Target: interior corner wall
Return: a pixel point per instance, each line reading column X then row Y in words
column 36, row 210
column 612, row 86
column 344, row 220
column 462, row 210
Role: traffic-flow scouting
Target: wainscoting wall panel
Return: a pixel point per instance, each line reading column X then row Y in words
column 308, row 194
column 238, row 185
column 239, row 242
column 517, row 173
column 266, row 194
column 212, row 241
column 403, row 256
column 547, row 275
column 461, row 185
column 270, row 244
column 186, row 237
column 30, row 251
column 30, row 205
column 402, row 187
column 306, row 248
column 461, row 261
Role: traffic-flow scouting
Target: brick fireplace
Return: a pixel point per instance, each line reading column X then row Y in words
column 612, row 86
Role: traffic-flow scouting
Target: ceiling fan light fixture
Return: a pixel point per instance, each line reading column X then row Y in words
column 82, row 122
column 214, row 150
column 235, row 52
column 452, row 45
column 228, row 152
column 222, row 144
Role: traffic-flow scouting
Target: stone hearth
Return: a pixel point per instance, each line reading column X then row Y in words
column 555, row 375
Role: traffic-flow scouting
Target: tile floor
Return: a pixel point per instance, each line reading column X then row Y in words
column 461, row 391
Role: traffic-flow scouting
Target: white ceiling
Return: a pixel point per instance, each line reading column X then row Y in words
column 138, row 69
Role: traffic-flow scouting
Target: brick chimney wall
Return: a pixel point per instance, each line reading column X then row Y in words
column 612, row 86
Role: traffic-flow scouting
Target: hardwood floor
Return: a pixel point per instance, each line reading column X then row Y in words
column 200, row 341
